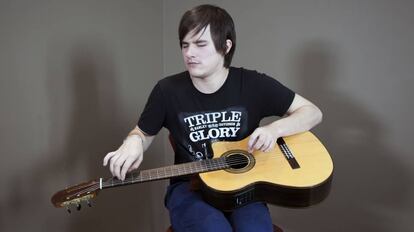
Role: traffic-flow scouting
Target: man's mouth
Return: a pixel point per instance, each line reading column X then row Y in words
column 192, row 62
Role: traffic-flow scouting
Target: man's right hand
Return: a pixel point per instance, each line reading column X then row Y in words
column 127, row 158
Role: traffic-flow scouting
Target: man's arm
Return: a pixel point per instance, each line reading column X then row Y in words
column 129, row 155
column 301, row 116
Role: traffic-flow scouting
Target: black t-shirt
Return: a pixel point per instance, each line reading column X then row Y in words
column 195, row 119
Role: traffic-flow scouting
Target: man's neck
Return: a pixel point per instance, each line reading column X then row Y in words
column 212, row 82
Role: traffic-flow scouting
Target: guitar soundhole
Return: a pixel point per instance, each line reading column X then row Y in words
column 239, row 161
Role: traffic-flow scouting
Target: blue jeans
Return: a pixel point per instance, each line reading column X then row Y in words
column 188, row 212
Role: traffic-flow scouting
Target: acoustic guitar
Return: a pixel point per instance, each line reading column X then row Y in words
column 296, row 173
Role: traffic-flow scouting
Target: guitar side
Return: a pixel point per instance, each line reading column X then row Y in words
column 272, row 178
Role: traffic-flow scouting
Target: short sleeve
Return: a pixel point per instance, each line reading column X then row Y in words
column 275, row 97
column 153, row 116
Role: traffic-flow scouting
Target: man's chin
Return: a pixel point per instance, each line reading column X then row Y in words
column 196, row 73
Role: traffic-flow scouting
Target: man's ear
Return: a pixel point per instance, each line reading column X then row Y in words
column 229, row 44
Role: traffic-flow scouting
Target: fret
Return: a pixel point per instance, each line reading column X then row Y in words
column 211, row 164
column 171, row 171
column 204, row 165
column 167, row 172
column 207, row 164
column 200, row 166
column 177, row 169
column 161, row 172
column 195, row 166
column 152, row 174
column 132, row 178
column 145, row 175
column 139, row 177
column 184, row 170
column 190, row 169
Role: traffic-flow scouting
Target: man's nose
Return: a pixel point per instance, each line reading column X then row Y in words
column 189, row 51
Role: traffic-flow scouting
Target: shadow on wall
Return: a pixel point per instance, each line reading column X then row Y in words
column 95, row 128
column 369, row 179
column 85, row 124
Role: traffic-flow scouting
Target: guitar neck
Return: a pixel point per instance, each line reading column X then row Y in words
column 168, row 172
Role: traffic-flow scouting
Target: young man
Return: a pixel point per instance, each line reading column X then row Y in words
column 210, row 102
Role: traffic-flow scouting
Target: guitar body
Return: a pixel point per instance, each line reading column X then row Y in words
column 298, row 177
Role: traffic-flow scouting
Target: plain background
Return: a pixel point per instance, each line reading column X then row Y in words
column 75, row 75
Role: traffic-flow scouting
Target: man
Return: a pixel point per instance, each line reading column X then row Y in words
column 210, row 102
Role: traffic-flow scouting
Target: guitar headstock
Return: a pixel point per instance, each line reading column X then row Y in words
column 75, row 195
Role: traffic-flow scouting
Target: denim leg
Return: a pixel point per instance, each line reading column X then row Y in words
column 188, row 212
column 252, row 217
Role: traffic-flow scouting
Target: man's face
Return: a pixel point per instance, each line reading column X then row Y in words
column 200, row 56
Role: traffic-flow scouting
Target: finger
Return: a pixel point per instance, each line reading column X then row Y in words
column 118, row 165
column 112, row 163
column 268, row 146
column 271, row 146
column 107, row 157
column 260, row 143
column 136, row 164
column 252, row 140
column 126, row 167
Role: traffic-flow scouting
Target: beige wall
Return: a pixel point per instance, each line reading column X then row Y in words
column 75, row 75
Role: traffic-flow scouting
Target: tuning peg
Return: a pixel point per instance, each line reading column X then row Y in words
column 78, row 207
column 89, row 203
column 68, row 209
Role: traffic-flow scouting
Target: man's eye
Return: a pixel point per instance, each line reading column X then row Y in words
column 184, row 45
column 201, row 45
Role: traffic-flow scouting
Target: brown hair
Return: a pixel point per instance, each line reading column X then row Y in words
column 221, row 27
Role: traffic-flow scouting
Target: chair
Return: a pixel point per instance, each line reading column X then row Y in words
column 275, row 229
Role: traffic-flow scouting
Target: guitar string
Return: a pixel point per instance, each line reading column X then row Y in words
column 184, row 170
column 180, row 170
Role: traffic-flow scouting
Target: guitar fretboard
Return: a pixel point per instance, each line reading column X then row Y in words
column 168, row 172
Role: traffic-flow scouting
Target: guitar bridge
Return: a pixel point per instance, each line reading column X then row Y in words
column 287, row 153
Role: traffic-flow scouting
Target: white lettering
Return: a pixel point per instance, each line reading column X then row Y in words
column 200, row 119
column 194, row 136
column 234, row 131
column 214, row 133
column 236, row 116
column 224, row 132
column 188, row 120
